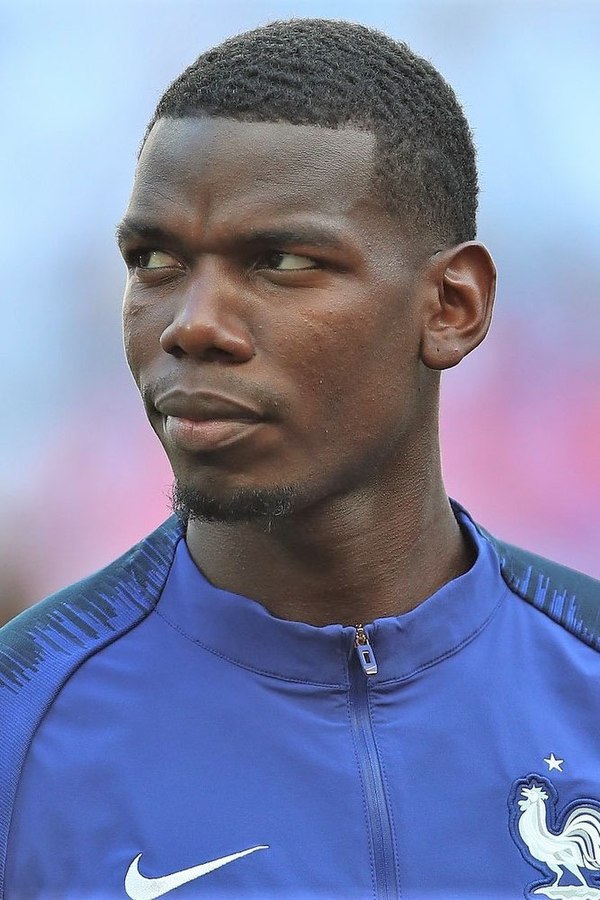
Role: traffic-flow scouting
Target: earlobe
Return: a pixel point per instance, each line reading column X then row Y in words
column 459, row 286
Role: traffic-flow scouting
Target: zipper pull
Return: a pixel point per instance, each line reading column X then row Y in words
column 365, row 651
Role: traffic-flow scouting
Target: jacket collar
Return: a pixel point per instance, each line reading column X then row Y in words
column 242, row 631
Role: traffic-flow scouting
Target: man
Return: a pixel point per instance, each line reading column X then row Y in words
column 320, row 679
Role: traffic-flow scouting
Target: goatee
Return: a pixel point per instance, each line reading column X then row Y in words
column 241, row 505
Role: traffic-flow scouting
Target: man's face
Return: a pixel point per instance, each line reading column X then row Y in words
column 270, row 315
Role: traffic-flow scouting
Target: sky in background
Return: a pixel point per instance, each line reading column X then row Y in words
column 81, row 476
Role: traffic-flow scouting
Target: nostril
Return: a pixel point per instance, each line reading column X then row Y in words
column 210, row 354
column 169, row 344
column 216, row 354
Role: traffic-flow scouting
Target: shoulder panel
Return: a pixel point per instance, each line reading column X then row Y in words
column 41, row 648
column 569, row 597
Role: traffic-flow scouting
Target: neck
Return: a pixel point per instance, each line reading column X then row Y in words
column 348, row 560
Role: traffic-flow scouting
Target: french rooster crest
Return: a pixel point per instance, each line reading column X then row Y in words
column 565, row 847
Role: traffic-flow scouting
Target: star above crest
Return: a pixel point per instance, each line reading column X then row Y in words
column 554, row 763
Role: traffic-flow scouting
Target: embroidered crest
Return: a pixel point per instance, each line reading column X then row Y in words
column 564, row 846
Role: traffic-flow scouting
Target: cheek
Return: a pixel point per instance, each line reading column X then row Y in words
column 367, row 356
column 143, row 325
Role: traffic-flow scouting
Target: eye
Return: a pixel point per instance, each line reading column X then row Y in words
column 285, row 262
column 154, row 259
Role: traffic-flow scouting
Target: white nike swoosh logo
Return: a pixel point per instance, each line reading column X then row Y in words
column 138, row 887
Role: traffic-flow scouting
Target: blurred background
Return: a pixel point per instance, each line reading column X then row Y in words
column 81, row 474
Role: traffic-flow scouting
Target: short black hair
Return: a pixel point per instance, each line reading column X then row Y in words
column 335, row 74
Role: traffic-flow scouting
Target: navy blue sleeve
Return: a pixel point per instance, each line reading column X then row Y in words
column 41, row 648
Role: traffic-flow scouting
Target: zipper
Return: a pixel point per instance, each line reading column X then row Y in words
column 378, row 813
column 364, row 651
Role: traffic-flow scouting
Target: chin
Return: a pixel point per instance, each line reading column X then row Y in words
column 237, row 505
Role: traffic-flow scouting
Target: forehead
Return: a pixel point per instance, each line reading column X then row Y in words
column 243, row 170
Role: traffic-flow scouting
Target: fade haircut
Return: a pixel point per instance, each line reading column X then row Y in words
column 334, row 74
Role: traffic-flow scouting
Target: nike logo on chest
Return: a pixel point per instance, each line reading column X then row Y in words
column 139, row 887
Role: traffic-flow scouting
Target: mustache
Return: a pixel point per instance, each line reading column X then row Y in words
column 229, row 385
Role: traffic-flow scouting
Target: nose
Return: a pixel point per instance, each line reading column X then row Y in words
column 207, row 323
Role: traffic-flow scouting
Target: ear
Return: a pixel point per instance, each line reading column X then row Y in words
column 459, row 285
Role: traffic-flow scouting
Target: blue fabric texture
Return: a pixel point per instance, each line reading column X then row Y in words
column 161, row 736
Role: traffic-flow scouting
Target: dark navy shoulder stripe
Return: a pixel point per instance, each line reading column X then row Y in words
column 41, row 648
column 569, row 597
column 75, row 619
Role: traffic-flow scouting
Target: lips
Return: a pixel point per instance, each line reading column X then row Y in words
column 204, row 422
column 206, row 407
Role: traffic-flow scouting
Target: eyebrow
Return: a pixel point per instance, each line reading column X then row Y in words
column 128, row 228
column 314, row 235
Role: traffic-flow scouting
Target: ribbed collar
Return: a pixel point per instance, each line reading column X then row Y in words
column 245, row 633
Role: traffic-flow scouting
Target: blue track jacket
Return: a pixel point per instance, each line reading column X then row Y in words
column 162, row 737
